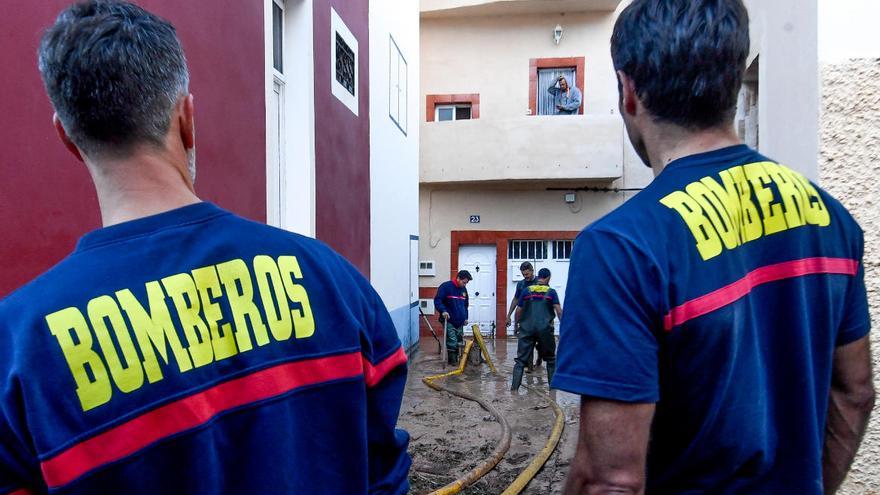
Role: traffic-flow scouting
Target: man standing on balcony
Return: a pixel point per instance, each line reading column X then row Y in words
column 566, row 98
column 722, row 311
column 452, row 303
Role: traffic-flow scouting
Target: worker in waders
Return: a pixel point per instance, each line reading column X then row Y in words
column 452, row 303
column 534, row 314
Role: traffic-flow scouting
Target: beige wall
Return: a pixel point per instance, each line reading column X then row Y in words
column 850, row 169
column 442, row 210
column 490, row 56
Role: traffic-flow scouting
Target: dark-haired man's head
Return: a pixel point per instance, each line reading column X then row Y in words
column 544, row 275
column 527, row 270
column 117, row 78
column 683, row 60
column 463, row 277
column 563, row 84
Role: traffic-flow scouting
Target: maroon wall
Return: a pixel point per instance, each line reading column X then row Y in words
column 342, row 141
column 46, row 198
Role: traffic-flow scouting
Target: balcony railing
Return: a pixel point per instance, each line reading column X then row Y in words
column 545, row 148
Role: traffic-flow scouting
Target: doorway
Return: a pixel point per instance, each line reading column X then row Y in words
column 480, row 260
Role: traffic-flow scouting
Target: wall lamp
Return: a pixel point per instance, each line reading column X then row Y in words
column 557, row 33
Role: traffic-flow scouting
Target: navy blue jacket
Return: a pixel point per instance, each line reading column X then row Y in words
column 196, row 352
column 452, row 299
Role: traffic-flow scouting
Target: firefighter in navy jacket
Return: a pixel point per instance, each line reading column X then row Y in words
column 451, row 302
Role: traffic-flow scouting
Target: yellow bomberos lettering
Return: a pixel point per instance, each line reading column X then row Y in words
column 236, row 280
column 88, row 370
column 792, row 197
column 303, row 322
column 222, row 337
column 121, row 339
column 154, row 331
column 772, row 211
column 751, row 220
column 708, row 242
column 128, row 376
column 274, row 297
column 182, row 290
column 717, row 213
column 817, row 213
column 724, row 215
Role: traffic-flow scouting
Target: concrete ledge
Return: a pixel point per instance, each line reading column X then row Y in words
column 569, row 147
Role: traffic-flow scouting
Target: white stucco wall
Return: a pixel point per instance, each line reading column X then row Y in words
column 784, row 34
column 394, row 161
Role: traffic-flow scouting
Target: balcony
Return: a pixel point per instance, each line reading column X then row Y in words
column 470, row 8
column 557, row 149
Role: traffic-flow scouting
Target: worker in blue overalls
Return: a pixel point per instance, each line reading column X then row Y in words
column 452, row 303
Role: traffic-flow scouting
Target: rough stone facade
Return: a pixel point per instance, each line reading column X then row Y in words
column 849, row 168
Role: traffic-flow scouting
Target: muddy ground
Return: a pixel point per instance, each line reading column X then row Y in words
column 450, row 435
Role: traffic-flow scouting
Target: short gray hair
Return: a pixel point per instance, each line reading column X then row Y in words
column 113, row 72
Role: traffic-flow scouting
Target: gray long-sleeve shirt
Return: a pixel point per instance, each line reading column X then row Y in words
column 569, row 103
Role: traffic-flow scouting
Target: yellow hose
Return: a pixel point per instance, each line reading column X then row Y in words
column 503, row 444
column 519, row 484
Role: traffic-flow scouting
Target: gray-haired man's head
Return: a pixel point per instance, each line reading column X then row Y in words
column 114, row 73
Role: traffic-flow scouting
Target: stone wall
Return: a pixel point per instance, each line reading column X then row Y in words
column 849, row 168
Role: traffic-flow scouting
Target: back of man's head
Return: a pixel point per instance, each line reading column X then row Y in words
column 686, row 58
column 113, row 72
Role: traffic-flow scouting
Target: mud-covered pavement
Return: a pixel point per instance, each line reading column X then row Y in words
column 450, row 435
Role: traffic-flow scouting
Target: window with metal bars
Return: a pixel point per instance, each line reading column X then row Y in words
column 345, row 65
column 562, row 250
column 527, row 250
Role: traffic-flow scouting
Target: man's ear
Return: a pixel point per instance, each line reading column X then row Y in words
column 62, row 134
column 629, row 98
column 187, row 122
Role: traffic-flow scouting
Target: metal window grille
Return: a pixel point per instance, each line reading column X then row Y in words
column 562, row 250
column 527, row 250
column 546, row 77
column 344, row 64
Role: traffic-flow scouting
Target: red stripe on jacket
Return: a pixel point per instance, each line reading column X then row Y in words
column 193, row 411
column 771, row 273
column 374, row 373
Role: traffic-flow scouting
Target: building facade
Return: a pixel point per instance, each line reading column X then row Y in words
column 502, row 182
column 303, row 110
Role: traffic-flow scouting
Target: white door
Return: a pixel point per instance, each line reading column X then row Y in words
column 480, row 262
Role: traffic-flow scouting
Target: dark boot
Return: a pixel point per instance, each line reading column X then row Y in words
column 517, row 378
column 453, row 357
column 551, row 369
